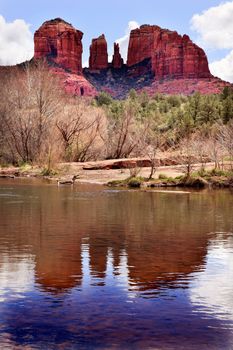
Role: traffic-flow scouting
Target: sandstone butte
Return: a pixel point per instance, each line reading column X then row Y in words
column 172, row 55
column 158, row 60
column 60, row 42
column 98, row 54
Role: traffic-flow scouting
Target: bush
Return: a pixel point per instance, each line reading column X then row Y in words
column 104, row 99
column 219, row 172
column 25, row 166
column 202, row 173
column 162, row 177
column 135, row 182
column 197, row 182
column 48, row 172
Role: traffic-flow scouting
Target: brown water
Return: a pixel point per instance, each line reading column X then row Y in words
column 91, row 268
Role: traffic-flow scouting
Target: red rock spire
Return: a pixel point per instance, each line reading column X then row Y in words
column 117, row 61
column 98, row 54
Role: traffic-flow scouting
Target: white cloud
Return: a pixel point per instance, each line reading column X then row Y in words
column 16, row 42
column 124, row 41
column 215, row 26
column 211, row 290
column 223, row 68
column 16, row 277
column 215, row 31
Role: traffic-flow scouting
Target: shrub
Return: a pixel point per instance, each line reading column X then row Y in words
column 219, row 172
column 162, row 177
column 48, row 172
column 135, row 182
column 25, row 166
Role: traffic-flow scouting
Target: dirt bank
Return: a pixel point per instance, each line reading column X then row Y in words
column 100, row 172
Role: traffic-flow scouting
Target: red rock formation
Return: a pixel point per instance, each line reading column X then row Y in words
column 186, row 86
column 60, row 42
column 98, row 54
column 79, row 86
column 172, row 55
column 117, row 61
column 173, row 64
column 75, row 84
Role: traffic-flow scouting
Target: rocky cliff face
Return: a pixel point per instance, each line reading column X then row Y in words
column 117, row 60
column 159, row 60
column 98, row 54
column 172, row 55
column 60, row 42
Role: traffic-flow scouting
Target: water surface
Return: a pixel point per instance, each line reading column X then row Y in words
column 86, row 267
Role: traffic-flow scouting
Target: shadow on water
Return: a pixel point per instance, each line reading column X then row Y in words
column 85, row 267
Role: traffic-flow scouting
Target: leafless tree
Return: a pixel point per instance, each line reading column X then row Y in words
column 187, row 154
column 79, row 127
column 213, row 146
column 32, row 98
column 225, row 137
column 149, row 144
column 200, row 148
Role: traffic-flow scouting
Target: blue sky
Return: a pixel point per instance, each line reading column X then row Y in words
column 112, row 17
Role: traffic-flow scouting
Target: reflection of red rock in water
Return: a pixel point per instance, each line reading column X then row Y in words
column 152, row 263
column 98, row 259
column 138, row 232
column 60, row 42
column 167, row 261
column 60, row 270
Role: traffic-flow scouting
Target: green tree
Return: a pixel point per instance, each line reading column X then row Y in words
column 209, row 111
column 104, row 99
column 227, row 109
column 193, row 107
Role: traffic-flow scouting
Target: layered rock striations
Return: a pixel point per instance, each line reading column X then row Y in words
column 98, row 53
column 158, row 60
column 172, row 55
column 117, row 60
column 61, row 43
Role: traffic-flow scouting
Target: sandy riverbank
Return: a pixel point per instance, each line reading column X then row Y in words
column 100, row 172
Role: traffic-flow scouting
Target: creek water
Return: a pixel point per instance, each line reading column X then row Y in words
column 87, row 267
